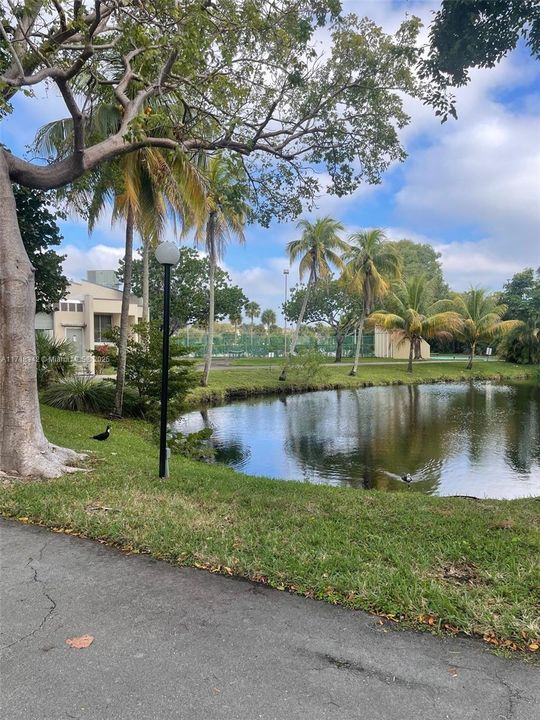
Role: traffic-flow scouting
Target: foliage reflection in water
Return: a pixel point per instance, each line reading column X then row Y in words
column 467, row 439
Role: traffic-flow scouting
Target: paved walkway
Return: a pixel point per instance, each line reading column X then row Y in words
column 181, row 643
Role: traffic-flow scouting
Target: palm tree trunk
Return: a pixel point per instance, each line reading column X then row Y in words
column 471, row 356
column 294, row 340
column 418, row 349
column 359, row 336
column 411, row 354
column 146, row 281
column 124, row 316
column 210, row 244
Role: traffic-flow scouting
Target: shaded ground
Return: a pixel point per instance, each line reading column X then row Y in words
column 180, row 643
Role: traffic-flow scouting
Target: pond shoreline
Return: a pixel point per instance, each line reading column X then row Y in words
column 227, row 385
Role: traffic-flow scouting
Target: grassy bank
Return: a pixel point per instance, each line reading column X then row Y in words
column 446, row 563
column 238, row 382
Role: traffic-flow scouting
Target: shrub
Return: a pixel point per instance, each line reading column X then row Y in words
column 55, row 359
column 307, row 367
column 90, row 395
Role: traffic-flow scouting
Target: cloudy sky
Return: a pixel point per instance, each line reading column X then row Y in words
column 470, row 187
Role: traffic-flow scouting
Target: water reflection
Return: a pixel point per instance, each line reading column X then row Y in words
column 469, row 439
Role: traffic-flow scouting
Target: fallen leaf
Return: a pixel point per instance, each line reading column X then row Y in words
column 452, row 670
column 533, row 647
column 80, row 642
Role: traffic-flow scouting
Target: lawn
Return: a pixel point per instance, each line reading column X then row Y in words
column 237, row 382
column 447, row 564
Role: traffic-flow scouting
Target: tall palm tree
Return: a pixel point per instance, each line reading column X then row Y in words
column 316, row 249
column 481, row 314
column 371, row 264
column 225, row 216
column 145, row 188
column 253, row 310
column 268, row 318
column 415, row 317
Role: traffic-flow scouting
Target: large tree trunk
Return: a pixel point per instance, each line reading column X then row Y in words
column 339, row 347
column 124, row 316
column 359, row 336
column 418, row 349
column 24, row 449
column 294, row 340
column 210, row 245
column 146, row 281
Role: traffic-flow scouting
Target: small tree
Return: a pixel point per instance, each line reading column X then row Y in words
column 482, row 319
column 414, row 318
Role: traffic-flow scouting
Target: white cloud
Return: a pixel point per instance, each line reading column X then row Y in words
column 97, row 257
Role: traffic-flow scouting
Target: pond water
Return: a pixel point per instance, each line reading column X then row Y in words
column 480, row 439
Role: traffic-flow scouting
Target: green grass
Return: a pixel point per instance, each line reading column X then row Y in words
column 445, row 563
column 226, row 384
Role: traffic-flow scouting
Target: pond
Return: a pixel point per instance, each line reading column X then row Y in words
column 480, row 439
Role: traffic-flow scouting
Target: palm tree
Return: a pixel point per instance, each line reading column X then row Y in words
column 481, row 314
column 371, row 264
column 253, row 310
column 145, row 188
column 415, row 317
column 317, row 249
column 268, row 318
column 226, row 214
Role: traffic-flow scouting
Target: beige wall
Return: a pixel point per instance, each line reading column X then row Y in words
column 387, row 345
column 96, row 300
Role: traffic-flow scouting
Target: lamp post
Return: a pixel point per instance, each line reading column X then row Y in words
column 286, row 273
column 167, row 254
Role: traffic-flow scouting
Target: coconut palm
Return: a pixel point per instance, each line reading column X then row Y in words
column 268, row 318
column 253, row 310
column 316, row 249
column 481, row 314
column 225, row 216
column 371, row 264
column 415, row 317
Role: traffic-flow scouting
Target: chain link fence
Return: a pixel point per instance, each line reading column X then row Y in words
column 229, row 345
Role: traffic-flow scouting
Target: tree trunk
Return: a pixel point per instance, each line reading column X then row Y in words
column 24, row 449
column 471, row 356
column 411, row 354
column 339, row 348
column 294, row 340
column 146, row 281
column 418, row 349
column 124, row 316
column 210, row 244
column 359, row 336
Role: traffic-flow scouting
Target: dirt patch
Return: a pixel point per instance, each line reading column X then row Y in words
column 460, row 573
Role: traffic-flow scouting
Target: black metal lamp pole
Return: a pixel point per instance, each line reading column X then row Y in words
column 168, row 255
column 163, row 465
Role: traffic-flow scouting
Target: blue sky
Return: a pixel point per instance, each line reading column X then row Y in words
column 470, row 187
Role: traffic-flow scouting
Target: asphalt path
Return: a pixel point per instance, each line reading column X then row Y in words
column 175, row 642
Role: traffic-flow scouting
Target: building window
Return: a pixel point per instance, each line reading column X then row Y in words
column 71, row 306
column 102, row 323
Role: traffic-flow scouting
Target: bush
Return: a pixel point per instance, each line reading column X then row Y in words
column 105, row 356
column 55, row 359
column 89, row 395
column 306, row 367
